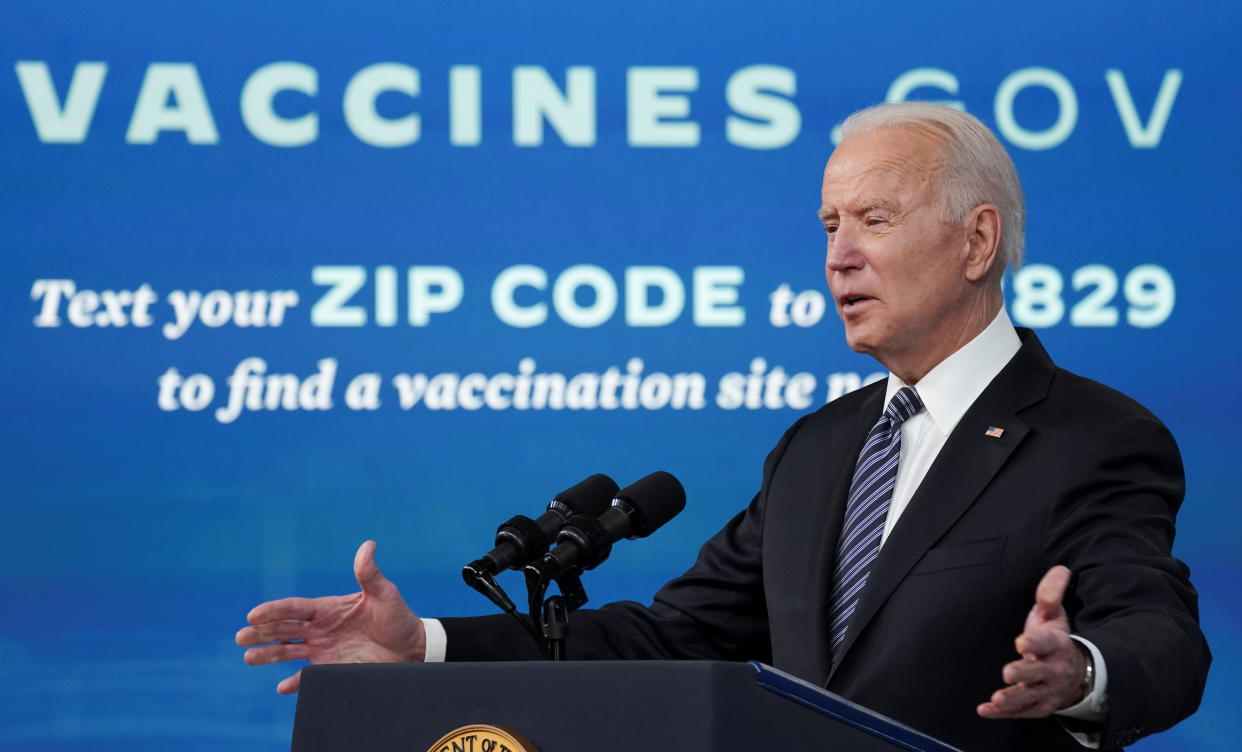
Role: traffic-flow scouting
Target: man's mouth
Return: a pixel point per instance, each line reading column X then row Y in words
column 849, row 302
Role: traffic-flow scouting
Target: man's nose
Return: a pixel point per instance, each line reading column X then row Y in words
column 843, row 252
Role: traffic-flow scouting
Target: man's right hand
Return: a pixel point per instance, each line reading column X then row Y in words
column 370, row 626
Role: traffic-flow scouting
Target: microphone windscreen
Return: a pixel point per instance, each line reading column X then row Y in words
column 656, row 498
column 590, row 497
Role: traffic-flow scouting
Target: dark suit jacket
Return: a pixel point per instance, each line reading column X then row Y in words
column 1083, row 476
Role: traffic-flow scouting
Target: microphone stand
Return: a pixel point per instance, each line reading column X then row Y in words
column 552, row 614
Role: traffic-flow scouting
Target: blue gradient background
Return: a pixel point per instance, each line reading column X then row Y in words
column 134, row 540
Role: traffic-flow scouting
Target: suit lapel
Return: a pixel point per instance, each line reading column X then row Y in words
column 966, row 464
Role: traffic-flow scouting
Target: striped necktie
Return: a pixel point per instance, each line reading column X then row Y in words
column 866, row 511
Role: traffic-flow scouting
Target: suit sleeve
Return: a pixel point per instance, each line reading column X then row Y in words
column 716, row 610
column 1131, row 597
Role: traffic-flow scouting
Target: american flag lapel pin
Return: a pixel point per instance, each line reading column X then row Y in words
column 994, row 432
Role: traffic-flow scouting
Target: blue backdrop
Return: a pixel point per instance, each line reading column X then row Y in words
column 376, row 214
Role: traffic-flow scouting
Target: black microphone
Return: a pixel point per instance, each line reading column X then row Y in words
column 522, row 539
column 636, row 512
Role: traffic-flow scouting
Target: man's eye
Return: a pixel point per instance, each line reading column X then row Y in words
column 873, row 221
column 830, row 229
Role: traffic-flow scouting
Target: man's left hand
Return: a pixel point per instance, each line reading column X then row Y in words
column 1049, row 675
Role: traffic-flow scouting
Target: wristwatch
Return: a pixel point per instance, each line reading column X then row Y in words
column 1088, row 674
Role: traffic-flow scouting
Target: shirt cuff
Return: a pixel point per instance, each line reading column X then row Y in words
column 1092, row 708
column 437, row 640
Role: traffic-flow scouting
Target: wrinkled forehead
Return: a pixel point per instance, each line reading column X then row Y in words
column 900, row 163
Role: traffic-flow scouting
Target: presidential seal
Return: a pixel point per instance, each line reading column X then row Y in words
column 482, row 738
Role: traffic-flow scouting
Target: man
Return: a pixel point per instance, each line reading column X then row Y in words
column 901, row 531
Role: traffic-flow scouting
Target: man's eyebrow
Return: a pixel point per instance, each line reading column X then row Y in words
column 877, row 203
column 868, row 205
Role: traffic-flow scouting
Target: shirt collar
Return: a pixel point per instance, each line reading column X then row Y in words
column 950, row 388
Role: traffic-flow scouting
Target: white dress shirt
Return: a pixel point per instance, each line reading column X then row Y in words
column 947, row 391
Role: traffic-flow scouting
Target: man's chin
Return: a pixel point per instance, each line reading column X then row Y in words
column 858, row 342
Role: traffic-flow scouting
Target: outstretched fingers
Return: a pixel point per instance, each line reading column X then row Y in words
column 1048, row 674
column 1029, row 670
column 365, row 626
column 274, row 631
column 290, row 685
column 280, row 652
column 296, row 609
column 1042, row 642
column 1018, row 701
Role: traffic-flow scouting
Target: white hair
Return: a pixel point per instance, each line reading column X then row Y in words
column 977, row 169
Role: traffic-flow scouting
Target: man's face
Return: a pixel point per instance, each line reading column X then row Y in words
column 894, row 267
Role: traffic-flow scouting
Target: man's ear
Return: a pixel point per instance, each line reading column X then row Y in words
column 983, row 233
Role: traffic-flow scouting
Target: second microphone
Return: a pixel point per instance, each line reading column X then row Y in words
column 636, row 512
